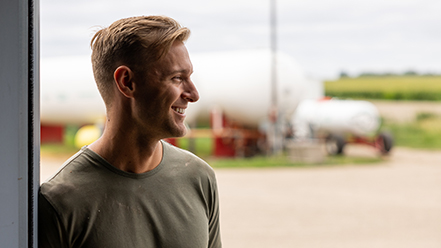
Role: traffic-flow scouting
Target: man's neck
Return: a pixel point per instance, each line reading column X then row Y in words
column 125, row 152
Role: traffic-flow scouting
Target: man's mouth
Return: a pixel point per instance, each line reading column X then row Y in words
column 179, row 110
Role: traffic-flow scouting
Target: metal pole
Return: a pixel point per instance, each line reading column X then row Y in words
column 274, row 115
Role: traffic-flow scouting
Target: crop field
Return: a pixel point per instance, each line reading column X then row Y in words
column 420, row 88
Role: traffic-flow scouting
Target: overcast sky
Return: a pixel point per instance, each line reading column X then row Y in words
column 324, row 36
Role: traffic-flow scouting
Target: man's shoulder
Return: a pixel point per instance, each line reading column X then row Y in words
column 70, row 178
column 179, row 156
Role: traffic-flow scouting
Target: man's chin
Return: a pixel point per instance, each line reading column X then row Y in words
column 178, row 132
column 183, row 132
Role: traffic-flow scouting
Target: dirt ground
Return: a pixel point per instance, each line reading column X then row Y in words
column 395, row 203
column 405, row 111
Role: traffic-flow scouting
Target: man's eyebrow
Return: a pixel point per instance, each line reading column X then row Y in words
column 179, row 71
column 184, row 70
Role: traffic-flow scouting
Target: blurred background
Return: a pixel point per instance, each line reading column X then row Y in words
column 321, row 118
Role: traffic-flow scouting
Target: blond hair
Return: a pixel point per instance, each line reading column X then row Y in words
column 136, row 42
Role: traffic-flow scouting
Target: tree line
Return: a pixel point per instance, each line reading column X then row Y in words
column 344, row 74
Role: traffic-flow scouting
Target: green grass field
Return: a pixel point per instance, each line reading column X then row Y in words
column 426, row 88
column 204, row 146
column 284, row 161
column 424, row 132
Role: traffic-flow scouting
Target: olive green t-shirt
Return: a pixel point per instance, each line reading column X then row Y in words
column 91, row 204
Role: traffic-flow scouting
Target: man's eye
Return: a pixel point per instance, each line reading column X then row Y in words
column 177, row 79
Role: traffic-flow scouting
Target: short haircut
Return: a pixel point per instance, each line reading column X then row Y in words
column 136, row 42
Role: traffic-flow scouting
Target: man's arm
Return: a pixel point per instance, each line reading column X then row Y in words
column 50, row 230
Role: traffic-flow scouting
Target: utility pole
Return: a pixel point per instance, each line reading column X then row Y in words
column 274, row 132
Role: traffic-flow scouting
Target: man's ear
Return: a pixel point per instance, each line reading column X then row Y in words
column 123, row 78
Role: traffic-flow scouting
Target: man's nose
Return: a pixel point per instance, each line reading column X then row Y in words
column 190, row 93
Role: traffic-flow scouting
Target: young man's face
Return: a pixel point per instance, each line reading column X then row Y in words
column 163, row 95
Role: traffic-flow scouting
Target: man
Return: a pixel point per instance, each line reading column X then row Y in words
column 130, row 188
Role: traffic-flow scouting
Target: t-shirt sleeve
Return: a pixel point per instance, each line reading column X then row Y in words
column 50, row 231
column 214, row 225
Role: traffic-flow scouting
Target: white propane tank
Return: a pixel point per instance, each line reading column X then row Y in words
column 239, row 84
column 313, row 117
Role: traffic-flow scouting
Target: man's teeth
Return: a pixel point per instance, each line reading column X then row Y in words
column 179, row 110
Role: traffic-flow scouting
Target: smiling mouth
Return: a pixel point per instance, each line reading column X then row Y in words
column 179, row 110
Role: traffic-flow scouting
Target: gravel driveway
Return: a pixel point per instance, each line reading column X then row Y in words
column 405, row 111
column 393, row 204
